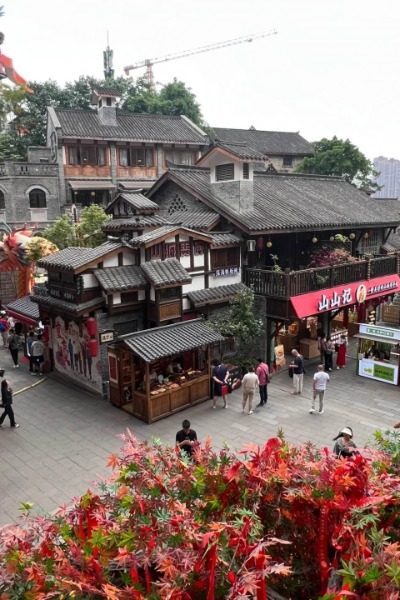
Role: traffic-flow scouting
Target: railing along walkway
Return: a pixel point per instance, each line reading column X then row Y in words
column 283, row 285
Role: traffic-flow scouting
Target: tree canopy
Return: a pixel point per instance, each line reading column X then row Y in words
column 23, row 116
column 341, row 158
column 87, row 233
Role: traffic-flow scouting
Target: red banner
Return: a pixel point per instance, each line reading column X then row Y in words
column 344, row 295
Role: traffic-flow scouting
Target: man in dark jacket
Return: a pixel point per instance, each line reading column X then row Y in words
column 6, row 402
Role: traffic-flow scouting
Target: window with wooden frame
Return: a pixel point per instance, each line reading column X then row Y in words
column 87, row 154
column 172, row 293
column 287, row 161
column 136, row 156
column 37, row 198
column 127, row 297
column 180, row 156
column 246, row 171
column 225, row 172
column 226, row 257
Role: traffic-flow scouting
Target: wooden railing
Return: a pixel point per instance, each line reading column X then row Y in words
column 276, row 284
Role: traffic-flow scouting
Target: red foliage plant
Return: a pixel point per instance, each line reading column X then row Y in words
column 221, row 526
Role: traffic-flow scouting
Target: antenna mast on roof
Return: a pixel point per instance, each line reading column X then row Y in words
column 108, row 61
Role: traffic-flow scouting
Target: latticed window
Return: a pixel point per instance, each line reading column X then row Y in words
column 37, row 198
column 246, row 171
column 176, row 204
column 225, row 172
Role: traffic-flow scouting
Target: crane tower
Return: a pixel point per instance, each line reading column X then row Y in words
column 149, row 62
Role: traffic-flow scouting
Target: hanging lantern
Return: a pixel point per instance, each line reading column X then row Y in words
column 314, row 240
column 352, row 236
column 260, row 244
column 269, row 244
column 332, row 238
column 366, row 235
column 92, row 347
column 91, row 326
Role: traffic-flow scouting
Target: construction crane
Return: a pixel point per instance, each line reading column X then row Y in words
column 149, row 62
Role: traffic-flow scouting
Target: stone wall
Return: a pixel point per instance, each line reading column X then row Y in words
column 173, row 196
column 8, row 286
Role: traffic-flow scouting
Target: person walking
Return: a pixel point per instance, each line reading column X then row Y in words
column 329, row 348
column 220, row 376
column 341, row 353
column 6, row 401
column 249, row 386
column 14, row 343
column 38, row 355
column 344, row 445
column 320, row 381
column 298, row 372
column 4, row 328
column 186, row 439
column 262, row 372
column 29, row 342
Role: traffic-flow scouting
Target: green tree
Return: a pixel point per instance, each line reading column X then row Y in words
column 176, row 99
column 341, row 158
column 89, row 229
column 239, row 321
column 61, row 233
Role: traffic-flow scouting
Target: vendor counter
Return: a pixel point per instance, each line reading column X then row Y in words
column 169, row 398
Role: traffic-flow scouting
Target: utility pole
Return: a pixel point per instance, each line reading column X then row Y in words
column 108, row 55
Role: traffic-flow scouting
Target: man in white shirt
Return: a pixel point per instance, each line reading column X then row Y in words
column 320, row 381
column 249, row 385
column 37, row 351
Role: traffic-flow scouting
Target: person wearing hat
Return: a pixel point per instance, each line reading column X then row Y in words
column 344, row 445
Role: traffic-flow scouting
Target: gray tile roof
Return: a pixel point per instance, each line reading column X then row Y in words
column 285, row 202
column 200, row 220
column 78, row 123
column 159, row 342
column 267, row 142
column 135, row 199
column 224, row 239
column 165, row 273
column 74, row 258
column 216, row 295
column 68, row 307
column 113, row 279
column 134, row 223
column 149, row 236
column 24, row 306
column 243, row 150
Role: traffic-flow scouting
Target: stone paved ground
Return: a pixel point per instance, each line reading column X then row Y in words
column 67, row 434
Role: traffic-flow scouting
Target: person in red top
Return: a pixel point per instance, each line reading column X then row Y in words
column 4, row 328
column 262, row 372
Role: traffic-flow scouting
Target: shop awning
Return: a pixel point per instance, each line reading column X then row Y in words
column 168, row 340
column 23, row 309
column 84, row 184
column 376, row 338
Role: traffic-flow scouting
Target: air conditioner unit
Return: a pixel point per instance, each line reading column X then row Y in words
column 251, row 245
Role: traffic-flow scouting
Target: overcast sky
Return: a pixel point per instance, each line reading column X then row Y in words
column 332, row 69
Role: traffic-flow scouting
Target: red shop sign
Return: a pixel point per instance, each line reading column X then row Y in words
column 344, row 295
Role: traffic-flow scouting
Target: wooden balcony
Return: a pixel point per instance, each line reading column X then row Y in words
column 276, row 284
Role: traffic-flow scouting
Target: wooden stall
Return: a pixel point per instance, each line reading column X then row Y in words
column 159, row 371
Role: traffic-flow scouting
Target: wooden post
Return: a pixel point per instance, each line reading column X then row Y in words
column 147, row 388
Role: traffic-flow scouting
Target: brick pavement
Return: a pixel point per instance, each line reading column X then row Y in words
column 67, row 434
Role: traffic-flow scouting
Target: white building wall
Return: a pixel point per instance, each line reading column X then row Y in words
column 196, row 284
column 117, row 298
column 89, row 280
column 225, row 280
column 152, row 294
column 185, row 261
column 111, row 261
column 198, row 260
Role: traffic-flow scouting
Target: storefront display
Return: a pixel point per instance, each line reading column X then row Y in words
column 157, row 372
column 379, row 353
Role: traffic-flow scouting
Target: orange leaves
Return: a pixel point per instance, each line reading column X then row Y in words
column 113, row 461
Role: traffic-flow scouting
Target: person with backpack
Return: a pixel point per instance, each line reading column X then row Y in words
column 262, row 372
column 6, row 402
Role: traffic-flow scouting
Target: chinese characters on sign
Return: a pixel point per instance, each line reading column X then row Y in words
column 184, row 249
column 226, row 271
column 335, row 300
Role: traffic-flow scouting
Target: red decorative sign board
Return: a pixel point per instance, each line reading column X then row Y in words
column 344, row 295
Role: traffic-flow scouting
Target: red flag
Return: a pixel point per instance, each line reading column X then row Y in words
column 6, row 65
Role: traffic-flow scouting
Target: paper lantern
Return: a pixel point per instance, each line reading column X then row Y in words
column 352, row 236
column 260, row 243
column 92, row 345
column 269, row 244
column 91, row 326
column 314, row 240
